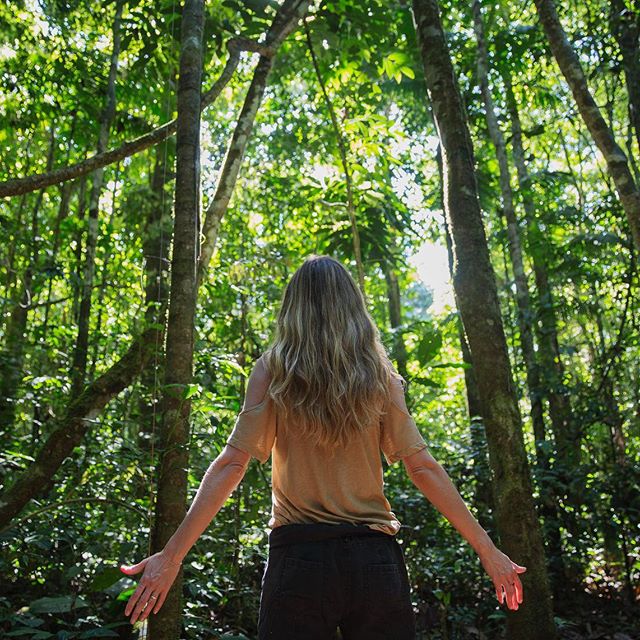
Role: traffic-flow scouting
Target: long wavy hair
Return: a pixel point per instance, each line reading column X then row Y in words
column 330, row 372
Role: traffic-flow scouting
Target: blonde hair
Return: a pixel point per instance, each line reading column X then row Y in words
column 329, row 370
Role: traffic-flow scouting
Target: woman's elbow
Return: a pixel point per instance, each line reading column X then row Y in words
column 420, row 465
column 235, row 460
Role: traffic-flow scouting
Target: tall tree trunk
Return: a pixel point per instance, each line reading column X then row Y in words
column 156, row 244
column 560, row 412
column 625, row 26
column 284, row 22
column 40, row 416
column 12, row 355
column 174, row 434
column 602, row 135
column 102, row 286
column 562, row 422
column 395, row 319
column 79, row 365
column 70, row 430
column 523, row 297
column 474, row 283
column 77, row 252
column 481, row 468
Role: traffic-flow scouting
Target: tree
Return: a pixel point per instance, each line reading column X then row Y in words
column 614, row 156
column 475, row 287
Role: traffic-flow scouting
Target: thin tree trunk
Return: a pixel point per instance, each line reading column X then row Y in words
column 474, row 283
column 178, row 374
column 284, row 22
column 156, row 246
column 395, row 319
column 523, row 296
column 602, row 135
column 560, row 412
column 342, row 150
column 79, row 366
column 40, row 416
column 553, row 377
column 17, row 186
column 82, row 209
column 105, row 264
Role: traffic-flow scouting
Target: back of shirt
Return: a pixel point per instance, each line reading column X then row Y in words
column 313, row 484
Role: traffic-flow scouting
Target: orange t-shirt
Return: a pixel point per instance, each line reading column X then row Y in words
column 310, row 485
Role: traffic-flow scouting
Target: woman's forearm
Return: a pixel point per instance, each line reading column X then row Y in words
column 435, row 484
column 218, row 483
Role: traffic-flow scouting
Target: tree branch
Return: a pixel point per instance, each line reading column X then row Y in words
column 18, row 186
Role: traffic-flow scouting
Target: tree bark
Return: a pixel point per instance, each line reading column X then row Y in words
column 523, row 296
column 171, row 501
column 474, row 283
column 79, row 366
column 283, row 24
column 602, row 135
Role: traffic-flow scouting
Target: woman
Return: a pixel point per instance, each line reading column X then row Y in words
column 324, row 400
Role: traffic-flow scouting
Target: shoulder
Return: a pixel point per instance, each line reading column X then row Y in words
column 257, row 384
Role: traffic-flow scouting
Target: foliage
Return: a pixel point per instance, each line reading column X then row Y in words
column 59, row 561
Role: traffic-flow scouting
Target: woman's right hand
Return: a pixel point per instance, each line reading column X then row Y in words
column 504, row 574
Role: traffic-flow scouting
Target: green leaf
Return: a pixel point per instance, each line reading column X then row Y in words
column 61, row 604
column 409, row 72
column 105, row 578
column 429, row 346
column 22, row 631
column 191, row 390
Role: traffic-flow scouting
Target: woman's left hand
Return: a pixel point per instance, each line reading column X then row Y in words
column 160, row 571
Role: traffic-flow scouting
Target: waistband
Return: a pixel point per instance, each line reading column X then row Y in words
column 291, row 533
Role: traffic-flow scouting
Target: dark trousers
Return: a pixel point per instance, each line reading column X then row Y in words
column 320, row 577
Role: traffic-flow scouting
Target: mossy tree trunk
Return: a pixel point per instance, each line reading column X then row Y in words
column 523, row 296
column 477, row 297
column 171, row 501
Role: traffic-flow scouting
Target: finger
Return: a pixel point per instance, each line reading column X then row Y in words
column 511, row 596
column 519, row 589
column 518, row 568
column 134, row 568
column 149, row 607
column 142, row 602
column 133, row 599
column 161, row 599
